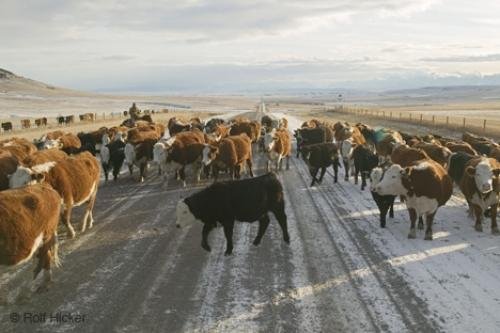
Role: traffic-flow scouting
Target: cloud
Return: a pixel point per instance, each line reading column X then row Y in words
column 465, row 58
column 195, row 20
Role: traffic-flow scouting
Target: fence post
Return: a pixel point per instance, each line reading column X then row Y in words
column 400, row 115
column 103, row 116
column 390, row 115
column 421, row 118
column 410, row 116
column 433, row 120
column 463, row 124
column 383, row 114
column 484, row 126
column 447, row 121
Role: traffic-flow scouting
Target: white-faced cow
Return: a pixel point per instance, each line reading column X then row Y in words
column 75, row 178
column 480, row 186
column 425, row 185
column 278, row 145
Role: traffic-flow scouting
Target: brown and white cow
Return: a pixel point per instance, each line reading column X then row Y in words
column 480, row 186
column 405, row 156
column 278, row 145
column 28, row 227
column 75, row 178
column 436, row 152
column 139, row 154
column 163, row 148
column 426, row 187
column 44, row 156
column 232, row 153
column 457, row 146
column 68, row 142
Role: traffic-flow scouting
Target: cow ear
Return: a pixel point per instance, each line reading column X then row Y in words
column 471, row 171
column 496, row 172
column 406, row 172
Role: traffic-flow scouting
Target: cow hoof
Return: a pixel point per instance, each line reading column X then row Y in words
column 428, row 236
column 206, row 247
column 478, row 227
column 382, row 224
column 228, row 253
column 495, row 231
column 412, row 234
column 256, row 242
column 287, row 240
column 71, row 234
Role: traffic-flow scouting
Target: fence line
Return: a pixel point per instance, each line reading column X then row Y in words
column 478, row 126
column 52, row 122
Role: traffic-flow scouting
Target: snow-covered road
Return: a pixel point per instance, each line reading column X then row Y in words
column 135, row 272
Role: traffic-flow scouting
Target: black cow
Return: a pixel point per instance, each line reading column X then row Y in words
column 364, row 162
column 212, row 124
column 385, row 203
column 246, row 200
column 7, row 126
column 60, row 120
column 321, row 156
column 308, row 136
column 113, row 155
column 88, row 142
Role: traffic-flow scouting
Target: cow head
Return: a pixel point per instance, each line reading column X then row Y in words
column 129, row 153
column 375, row 178
column 25, row 176
column 269, row 140
column 209, row 154
column 483, row 175
column 105, row 139
column 184, row 217
column 49, row 144
column 391, row 183
column 159, row 152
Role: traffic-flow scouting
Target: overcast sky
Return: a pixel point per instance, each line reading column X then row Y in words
column 233, row 45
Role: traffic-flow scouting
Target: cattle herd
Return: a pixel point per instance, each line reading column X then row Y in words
column 41, row 181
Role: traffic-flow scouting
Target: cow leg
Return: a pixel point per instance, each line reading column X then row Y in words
column 249, row 165
column 268, row 165
column 263, row 223
column 105, row 169
column 199, row 169
column 391, row 210
column 228, row 232
column 363, row 180
column 323, row 171
column 142, row 169
column 207, row 227
column 420, row 223
column 429, row 218
column 88, row 218
column 182, row 175
column 356, row 175
column 313, row 171
column 335, row 170
column 413, row 219
column 346, row 170
column 494, row 226
column 478, row 212
column 67, row 220
column 280, row 215
column 288, row 162
column 131, row 169
column 383, row 207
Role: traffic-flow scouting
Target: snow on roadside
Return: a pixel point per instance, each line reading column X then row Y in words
column 456, row 274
